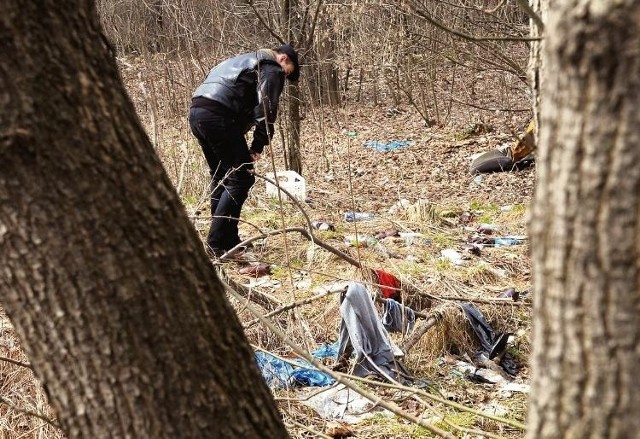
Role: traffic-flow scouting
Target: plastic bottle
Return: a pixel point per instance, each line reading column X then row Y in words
column 507, row 241
column 358, row 216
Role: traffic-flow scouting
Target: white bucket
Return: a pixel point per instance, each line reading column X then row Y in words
column 290, row 181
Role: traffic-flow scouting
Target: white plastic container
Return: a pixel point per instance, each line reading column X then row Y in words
column 290, row 181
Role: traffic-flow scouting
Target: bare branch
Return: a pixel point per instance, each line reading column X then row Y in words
column 463, row 35
column 17, row 363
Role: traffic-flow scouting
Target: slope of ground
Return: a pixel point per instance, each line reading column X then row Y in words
column 444, row 210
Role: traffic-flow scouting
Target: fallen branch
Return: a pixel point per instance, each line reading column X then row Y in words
column 294, row 305
column 417, row 334
column 304, row 232
column 257, row 297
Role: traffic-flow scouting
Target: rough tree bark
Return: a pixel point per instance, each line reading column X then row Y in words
column 102, row 274
column 585, row 225
column 293, row 160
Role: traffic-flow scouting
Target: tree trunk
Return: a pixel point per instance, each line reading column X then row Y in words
column 293, row 159
column 585, row 225
column 541, row 8
column 293, row 134
column 322, row 75
column 103, row 276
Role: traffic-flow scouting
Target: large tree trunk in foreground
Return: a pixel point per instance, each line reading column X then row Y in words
column 585, row 225
column 101, row 272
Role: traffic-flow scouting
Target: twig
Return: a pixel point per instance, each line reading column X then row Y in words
column 264, row 23
column 17, row 363
column 304, row 232
column 255, row 296
column 293, row 305
column 524, row 4
column 466, row 36
column 316, row 433
column 510, row 422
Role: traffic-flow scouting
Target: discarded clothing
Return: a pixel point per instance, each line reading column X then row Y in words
column 361, row 331
column 493, row 345
column 389, row 285
column 280, row 374
column 396, row 317
column 386, row 146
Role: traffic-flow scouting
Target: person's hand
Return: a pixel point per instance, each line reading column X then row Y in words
column 255, row 156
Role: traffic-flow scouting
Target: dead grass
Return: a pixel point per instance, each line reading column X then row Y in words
column 342, row 175
column 23, row 404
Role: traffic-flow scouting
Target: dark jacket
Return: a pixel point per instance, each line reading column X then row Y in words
column 247, row 85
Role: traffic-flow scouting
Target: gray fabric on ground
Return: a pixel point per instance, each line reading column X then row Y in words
column 396, row 317
column 361, row 330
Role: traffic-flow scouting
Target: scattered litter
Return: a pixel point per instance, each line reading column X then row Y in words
column 472, row 249
column 479, row 375
column 342, row 403
column 304, row 284
column 386, row 146
column 389, row 284
column 256, row 270
column 322, row 225
column 397, row 318
column 362, row 333
column 453, row 256
column 334, row 287
column 291, row 181
column 466, row 217
column 327, row 351
column 490, row 161
column 281, row 374
column 508, row 388
column 358, row 216
column 493, row 345
column 264, row 281
column 507, row 241
column 410, row 237
column 386, row 233
column 510, row 293
column 487, row 229
column 495, row 409
column 360, row 241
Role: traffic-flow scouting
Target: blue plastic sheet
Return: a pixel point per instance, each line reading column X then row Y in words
column 280, row 374
column 386, row 146
column 327, row 351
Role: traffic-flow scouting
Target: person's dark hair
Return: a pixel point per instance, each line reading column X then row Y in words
column 293, row 56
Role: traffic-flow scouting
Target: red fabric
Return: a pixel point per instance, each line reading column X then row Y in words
column 389, row 284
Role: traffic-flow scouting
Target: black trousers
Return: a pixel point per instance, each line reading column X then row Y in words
column 227, row 154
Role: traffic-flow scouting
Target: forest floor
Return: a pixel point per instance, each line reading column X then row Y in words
column 423, row 191
column 444, row 210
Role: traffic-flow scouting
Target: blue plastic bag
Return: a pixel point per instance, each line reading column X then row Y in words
column 280, row 374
